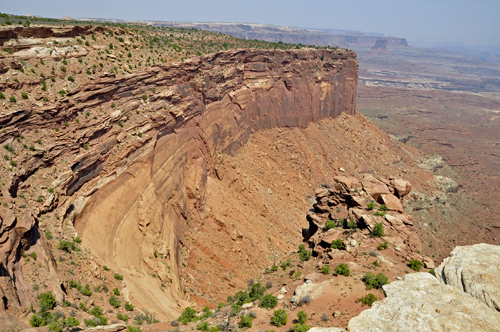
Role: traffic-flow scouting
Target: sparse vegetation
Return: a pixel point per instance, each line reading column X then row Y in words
column 415, row 264
column 325, row 269
column 279, row 318
column 304, row 254
column 375, row 281
column 342, row 269
column 378, row 230
column 368, row 299
column 383, row 246
column 338, row 244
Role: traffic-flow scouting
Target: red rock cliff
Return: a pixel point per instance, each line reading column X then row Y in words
column 129, row 195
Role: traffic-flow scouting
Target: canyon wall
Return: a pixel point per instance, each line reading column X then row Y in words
column 130, row 180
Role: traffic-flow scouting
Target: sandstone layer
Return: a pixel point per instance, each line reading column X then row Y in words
column 421, row 303
column 475, row 270
column 128, row 203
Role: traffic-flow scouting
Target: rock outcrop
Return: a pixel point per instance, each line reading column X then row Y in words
column 130, row 191
column 421, row 303
column 475, row 270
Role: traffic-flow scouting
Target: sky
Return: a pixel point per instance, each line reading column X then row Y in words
column 461, row 21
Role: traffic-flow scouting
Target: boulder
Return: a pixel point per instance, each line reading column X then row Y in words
column 421, row 303
column 392, row 203
column 347, row 182
column 475, row 270
column 401, row 187
column 374, row 187
column 310, row 289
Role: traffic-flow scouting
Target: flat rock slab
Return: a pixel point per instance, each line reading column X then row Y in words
column 475, row 270
column 421, row 303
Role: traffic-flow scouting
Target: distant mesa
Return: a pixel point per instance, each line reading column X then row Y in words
column 380, row 44
column 33, row 16
column 67, row 18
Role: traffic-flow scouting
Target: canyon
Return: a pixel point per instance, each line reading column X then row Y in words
column 178, row 179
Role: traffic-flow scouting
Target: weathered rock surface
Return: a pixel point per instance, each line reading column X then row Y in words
column 475, row 270
column 421, row 303
column 123, row 204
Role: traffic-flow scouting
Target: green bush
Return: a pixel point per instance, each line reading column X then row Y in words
column 129, row 306
column 12, row 99
column 203, row 327
column 24, row 95
column 86, row 290
column 383, row 207
column 96, row 311
column 257, row 291
column 415, row 264
column 116, row 291
column 375, row 281
column 114, row 301
column 133, row 329
column 300, row 328
column 329, row 224
column 274, row 268
column 343, row 270
column 351, row 225
column 302, row 317
column 67, row 246
column 368, row 299
column 378, row 230
column 286, row 263
column 118, row 276
column 338, row 244
column 325, row 269
column 280, row 318
column 189, row 315
column 122, row 317
column 245, row 322
column 304, row 254
column 71, row 78
column 47, row 301
column 371, row 205
column 268, row 301
column 383, row 246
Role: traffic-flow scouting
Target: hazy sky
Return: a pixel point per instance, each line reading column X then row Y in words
column 467, row 21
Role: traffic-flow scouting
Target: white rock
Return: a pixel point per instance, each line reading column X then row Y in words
column 283, row 290
column 421, row 303
column 280, row 297
column 341, row 169
column 475, row 270
column 247, row 306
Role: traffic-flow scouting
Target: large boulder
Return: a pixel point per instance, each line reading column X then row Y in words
column 392, row 203
column 401, row 187
column 475, row 270
column 421, row 303
column 374, row 187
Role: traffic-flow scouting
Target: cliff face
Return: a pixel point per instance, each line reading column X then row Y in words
column 131, row 191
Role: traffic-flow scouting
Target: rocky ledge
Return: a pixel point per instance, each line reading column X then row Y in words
column 474, row 270
column 421, row 303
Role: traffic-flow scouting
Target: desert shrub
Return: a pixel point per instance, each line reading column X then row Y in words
column 114, row 301
column 302, row 317
column 122, row 317
column 383, row 246
column 2, row 96
column 274, row 268
column 203, row 327
column 375, row 281
column 351, row 225
column 297, row 275
column 12, row 99
column 129, row 306
column 280, row 318
column 371, row 205
column 415, row 264
column 300, row 328
column 189, row 315
column 378, row 230
column 325, row 269
column 338, row 244
column 378, row 213
column 86, row 290
column 268, row 301
column 118, row 276
column 71, row 78
column 245, row 322
column 368, row 299
column 47, row 301
column 343, row 270
column 257, row 291
column 304, row 254
column 329, row 224
column 24, row 95
column 67, row 246
column 325, row 317
column 383, row 207
column 75, row 239
column 96, row 311
column 116, row 291
column 432, row 272
column 133, row 329
column 269, row 285
column 106, row 268
column 63, row 69
column 286, row 263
